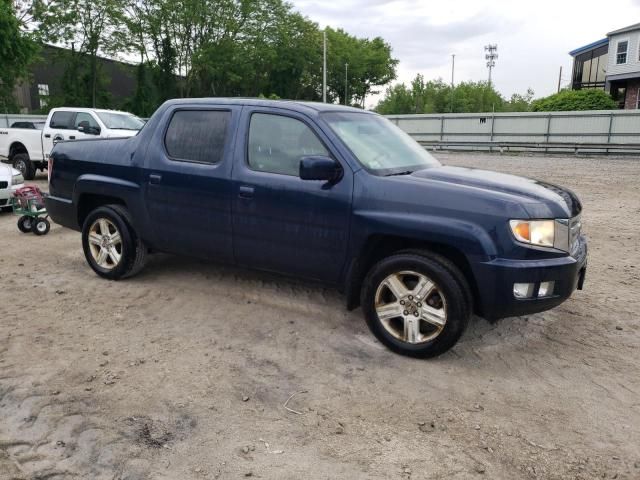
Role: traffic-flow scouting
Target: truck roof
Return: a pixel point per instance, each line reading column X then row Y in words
column 290, row 104
column 83, row 109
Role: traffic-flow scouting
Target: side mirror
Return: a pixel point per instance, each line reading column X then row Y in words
column 89, row 130
column 320, row 168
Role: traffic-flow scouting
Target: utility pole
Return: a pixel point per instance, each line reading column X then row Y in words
column 559, row 79
column 324, row 68
column 346, row 82
column 453, row 69
column 491, row 58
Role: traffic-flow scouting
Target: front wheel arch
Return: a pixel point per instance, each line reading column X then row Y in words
column 379, row 247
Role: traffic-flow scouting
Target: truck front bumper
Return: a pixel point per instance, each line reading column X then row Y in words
column 496, row 279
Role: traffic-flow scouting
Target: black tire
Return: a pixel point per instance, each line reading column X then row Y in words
column 451, row 285
column 141, row 249
column 22, row 163
column 133, row 251
column 25, row 224
column 41, row 226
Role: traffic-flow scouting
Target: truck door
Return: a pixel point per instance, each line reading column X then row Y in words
column 59, row 127
column 187, row 178
column 281, row 222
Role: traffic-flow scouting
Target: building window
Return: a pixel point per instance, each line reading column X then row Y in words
column 589, row 68
column 43, row 93
column 621, row 52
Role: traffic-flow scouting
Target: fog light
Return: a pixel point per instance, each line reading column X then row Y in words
column 523, row 290
column 546, row 289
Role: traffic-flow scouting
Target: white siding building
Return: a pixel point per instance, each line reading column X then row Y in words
column 612, row 63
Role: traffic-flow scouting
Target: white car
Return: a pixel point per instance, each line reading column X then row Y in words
column 10, row 180
column 27, row 149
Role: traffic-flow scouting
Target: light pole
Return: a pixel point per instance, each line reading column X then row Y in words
column 453, row 69
column 491, row 57
column 324, row 68
column 346, row 82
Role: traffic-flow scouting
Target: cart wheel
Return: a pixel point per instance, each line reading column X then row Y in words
column 25, row 224
column 41, row 226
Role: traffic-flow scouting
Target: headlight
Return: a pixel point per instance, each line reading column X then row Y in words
column 17, row 179
column 534, row 232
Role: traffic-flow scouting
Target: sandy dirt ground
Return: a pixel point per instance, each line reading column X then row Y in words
column 183, row 372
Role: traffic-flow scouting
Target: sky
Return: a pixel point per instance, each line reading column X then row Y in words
column 533, row 37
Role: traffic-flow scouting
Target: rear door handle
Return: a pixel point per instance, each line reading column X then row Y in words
column 72, row 137
column 47, row 135
column 155, row 178
column 246, row 191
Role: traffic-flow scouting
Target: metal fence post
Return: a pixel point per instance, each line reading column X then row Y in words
column 493, row 121
column 546, row 150
column 610, row 129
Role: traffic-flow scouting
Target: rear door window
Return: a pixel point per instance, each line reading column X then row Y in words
column 61, row 120
column 197, row 135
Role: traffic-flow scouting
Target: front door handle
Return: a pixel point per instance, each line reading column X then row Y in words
column 47, row 135
column 155, row 178
column 246, row 191
column 72, row 137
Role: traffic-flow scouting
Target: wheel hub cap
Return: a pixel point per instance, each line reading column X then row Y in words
column 105, row 243
column 411, row 307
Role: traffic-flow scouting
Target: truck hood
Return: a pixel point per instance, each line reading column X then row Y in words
column 528, row 191
column 6, row 172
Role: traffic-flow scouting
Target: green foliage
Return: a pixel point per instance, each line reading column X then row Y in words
column 572, row 100
column 17, row 51
column 193, row 48
column 91, row 27
column 519, row 103
column 436, row 96
column 370, row 65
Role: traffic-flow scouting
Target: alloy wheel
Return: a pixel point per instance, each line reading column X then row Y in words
column 105, row 243
column 411, row 307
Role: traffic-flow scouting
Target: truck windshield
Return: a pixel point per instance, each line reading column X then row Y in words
column 120, row 121
column 378, row 144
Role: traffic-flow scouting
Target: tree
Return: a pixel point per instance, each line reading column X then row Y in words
column 436, row 96
column 17, row 50
column 571, row 100
column 89, row 26
column 370, row 65
column 519, row 103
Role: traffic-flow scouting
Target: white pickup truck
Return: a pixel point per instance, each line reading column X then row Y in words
column 27, row 149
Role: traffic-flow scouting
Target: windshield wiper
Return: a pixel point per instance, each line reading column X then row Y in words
column 407, row 172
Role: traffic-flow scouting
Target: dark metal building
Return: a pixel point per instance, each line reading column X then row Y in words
column 47, row 72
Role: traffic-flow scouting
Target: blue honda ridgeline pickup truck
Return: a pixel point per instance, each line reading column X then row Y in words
column 327, row 193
